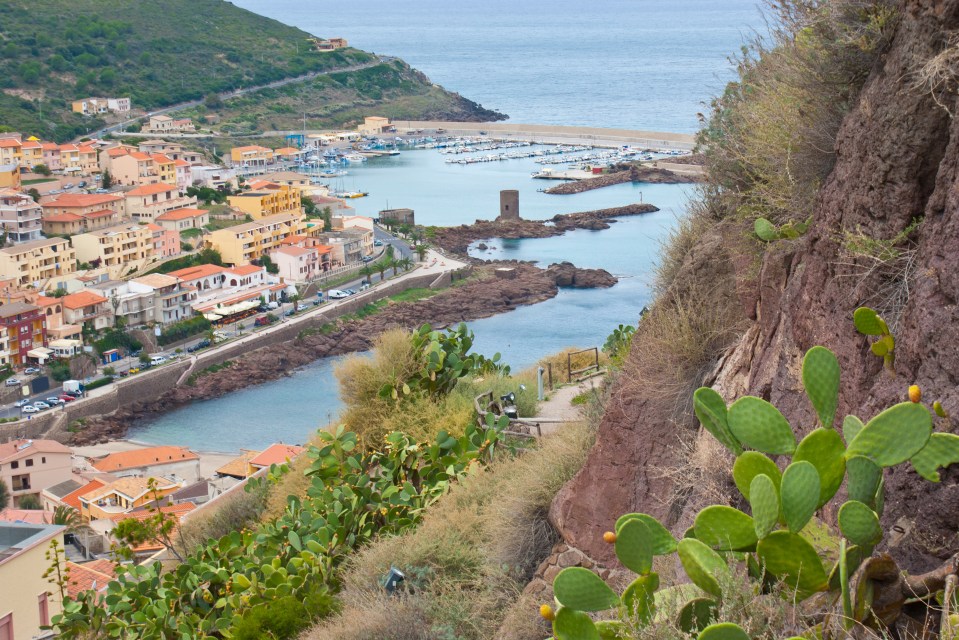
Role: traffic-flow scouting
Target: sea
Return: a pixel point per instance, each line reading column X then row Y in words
column 638, row 64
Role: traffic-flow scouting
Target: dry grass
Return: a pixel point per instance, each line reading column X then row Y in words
column 703, row 471
column 232, row 512
column 561, row 363
column 470, row 558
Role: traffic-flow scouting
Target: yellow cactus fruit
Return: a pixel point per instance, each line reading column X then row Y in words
column 915, row 393
column 547, row 612
column 609, row 537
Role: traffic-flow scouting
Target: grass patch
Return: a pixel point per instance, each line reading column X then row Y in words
column 469, row 559
column 37, row 181
column 412, row 295
column 213, row 368
column 191, row 233
column 216, row 224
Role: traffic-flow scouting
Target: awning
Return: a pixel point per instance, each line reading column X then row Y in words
column 40, row 353
column 212, row 317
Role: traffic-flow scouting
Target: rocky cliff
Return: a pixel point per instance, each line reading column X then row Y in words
column 896, row 165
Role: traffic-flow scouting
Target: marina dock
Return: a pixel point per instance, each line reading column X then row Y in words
column 553, row 134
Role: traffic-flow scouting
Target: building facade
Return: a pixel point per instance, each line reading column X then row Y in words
column 38, row 261
column 20, row 216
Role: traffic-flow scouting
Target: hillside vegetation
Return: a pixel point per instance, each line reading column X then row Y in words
column 157, row 53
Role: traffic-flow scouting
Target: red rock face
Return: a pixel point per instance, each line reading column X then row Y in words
column 897, row 161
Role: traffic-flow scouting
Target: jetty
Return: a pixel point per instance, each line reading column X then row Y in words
column 551, row 134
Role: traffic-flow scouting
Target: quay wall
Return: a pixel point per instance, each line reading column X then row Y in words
column 153, row 383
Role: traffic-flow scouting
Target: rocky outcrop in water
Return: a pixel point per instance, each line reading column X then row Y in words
column 566, row 274
column 651, row 175
column 458, row 239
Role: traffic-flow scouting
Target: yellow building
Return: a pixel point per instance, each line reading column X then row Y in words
column 374, row 125
column 37, row 261
column 10, row 176
column 31, row 152
column 253, row 155
column 117, row 248
column 10, row 151
column 166, row 168
column 26, row 602
column 122, row 496
column 267, row 199
column 245, row 242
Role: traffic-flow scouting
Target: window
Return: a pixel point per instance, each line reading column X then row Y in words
column 29, row 462
column 44, row 608
column 15, row 464
column 6, row 627
column 43, row 460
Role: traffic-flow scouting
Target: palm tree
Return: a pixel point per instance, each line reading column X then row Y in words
column 390, row 251
column 367, row 272
column 382, row 266
column 420, row 250
column 394, row 265
column 69, row 518
column 406, row 264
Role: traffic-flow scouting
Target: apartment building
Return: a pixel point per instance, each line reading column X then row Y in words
column 95, row 106
column 87, row 307
column 133, row 304
column 10, row 177
column 172, row 301
column 31, row 153
column 119, row 248
column 296, row 264
column 133, row 168
column 251, row 156
column 10, row 151
column 268, row 199
column 123, row 496
column 145, row 203
column 25, row 600
column 245, row 242
column 38, row 261
column 26, row 330
column 51, row 155
column 166, row 124
column 78, row 159
column 173, row 150
column 166, row 243
column 28, row 467
column 166, row 167
column 184, row 174
column 84, row 203
column 20, row 216
column 183, row 219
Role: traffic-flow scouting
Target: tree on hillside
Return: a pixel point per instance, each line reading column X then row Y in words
column 34, row 193
column 107, row 180
column 213, row 101
column 42, row 169
column 327, row 219
column 4, row 495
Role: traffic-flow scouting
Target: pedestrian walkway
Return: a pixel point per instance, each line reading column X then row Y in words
column 559, row 409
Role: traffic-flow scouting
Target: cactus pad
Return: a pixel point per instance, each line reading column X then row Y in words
column 894, row 436
column 710, row 408
column 703, row 565
column 765, row 230
column 799, row 493
column 638, row 598
column 610, row 629
column 634, row 546
column 696, row 614
column 824, row 449
column 854, row 557
column 851, row 426
column 581, row 589
column 725, row 528
column 574, row 625
column 867, row 322
column 759, row 425
column 662, row 541
column 723, row 631
column 789, row 557
column 859, row 523
column 749, row 465
column 942, row 450
column 864, row 475
column 820, row 377
column 764, row 500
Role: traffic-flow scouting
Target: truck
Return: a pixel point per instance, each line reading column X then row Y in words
column 72, row 387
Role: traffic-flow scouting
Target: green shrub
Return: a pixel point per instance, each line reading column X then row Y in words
column 183, row 330
column 96, row 384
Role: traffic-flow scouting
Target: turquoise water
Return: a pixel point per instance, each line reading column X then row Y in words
column 637, row 64
column 644, row 64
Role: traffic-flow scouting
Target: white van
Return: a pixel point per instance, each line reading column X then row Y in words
column 336, row 294
column 155, row 360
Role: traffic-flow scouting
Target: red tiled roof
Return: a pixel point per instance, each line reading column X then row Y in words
column 30, row 516
column 182, row 214
column 179, row 510
column 277, row 454
column 294, row 251
column 63, row 217
column 143, row 458
column 10, row 142
column 199, row 271
column 89, row 576
column 159, row 157
column 139, row 155
column 245, row 270
column 73, row 499
column 82, row 199
column 82, row 299
column 151, row 189
column 16, row 448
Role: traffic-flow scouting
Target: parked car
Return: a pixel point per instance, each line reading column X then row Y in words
column 301, row 306
column 66, row 398
column 262, row 322
column 157, row 360
column 82, row 184
column 290, row 313
column 54, row 400
column 68, row 185
column 367, row 258
column 21, row 403
column 28, row 408
column 31, row 370
column 13, row 382
column 351, row 292
column 377, row 243
column 336, row 294
column 272, row 305
column 41, row 405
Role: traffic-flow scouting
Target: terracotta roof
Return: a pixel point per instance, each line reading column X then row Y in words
column 151, row 189
column 182, row 214
column 143, row 458
column 132, row 487
column 139, row 155
column 294, row 251
column 118, row 151
column 260, row 184
column 82, row 299
column 154, row 227
column 73, row 498
column 9, row 142
column 199, row 271
column 45, row 301
column 245, row 270
column 50, row 146
column 82, row 199
column 31, row 144
column 276, row 454
column 159, row 157
column 16, row 449
column 63, row 217
column 158, row 280
column 238, row 467
column 89, row 576
column 179, row 510
column 29, row 516
column 293, row 239
column 180, row 162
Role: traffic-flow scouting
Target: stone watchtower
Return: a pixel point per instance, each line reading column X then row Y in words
column 508, row 205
